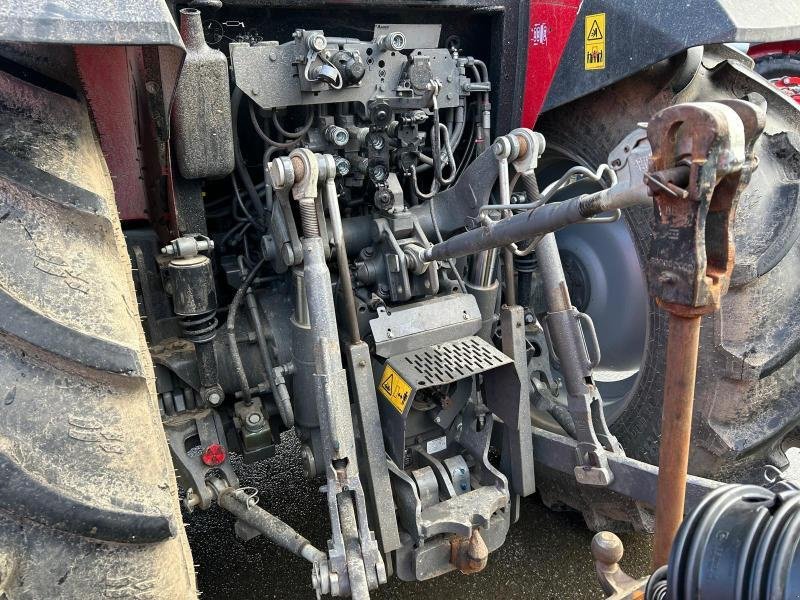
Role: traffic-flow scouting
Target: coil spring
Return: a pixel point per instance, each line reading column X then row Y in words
column 308, row 216
column 199, row 328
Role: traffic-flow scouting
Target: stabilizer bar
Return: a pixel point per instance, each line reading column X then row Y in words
column 632, row 478
column 542, row 220
column 240, row 503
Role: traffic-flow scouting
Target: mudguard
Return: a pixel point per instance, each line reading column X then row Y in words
column 612, row 39
column 95, row 22
column 118, row 45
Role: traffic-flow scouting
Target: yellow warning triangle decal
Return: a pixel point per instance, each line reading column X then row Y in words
column 594, row 32
column 386, row 384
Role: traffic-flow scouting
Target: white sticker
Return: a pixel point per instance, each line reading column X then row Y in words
column 437, row 445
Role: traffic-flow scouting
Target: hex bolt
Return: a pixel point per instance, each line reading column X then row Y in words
column 337, row 135
column 317, row 42
column 214, row 399
column 342, row 166
column 253, row 418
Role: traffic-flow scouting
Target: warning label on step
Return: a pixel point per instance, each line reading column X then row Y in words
column 394, row 388
column 595, row 42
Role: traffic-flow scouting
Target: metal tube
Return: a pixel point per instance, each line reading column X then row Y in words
column 676, row 431
column 237, row 502
column 482, row 271
column 319, row 297
column 341, row 260
column 552, row 272
column 508, row 256
column 528, row 225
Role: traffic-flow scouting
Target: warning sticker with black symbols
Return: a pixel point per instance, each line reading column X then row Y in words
column 394, row 388
column 594, row 56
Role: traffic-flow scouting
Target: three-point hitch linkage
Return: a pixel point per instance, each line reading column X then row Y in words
column 702, row 157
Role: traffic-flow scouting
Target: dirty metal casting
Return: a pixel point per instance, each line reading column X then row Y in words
column 691, row 260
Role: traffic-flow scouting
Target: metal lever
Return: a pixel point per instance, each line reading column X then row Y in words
column 690, row 262
column 583, row 399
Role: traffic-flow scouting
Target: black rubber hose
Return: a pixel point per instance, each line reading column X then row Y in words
column 230, row 328
column 241, row 168
column 263, row 135
column 526, row 265
column 293, row 134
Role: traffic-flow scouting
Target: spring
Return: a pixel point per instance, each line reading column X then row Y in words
column 308, row 215
column 200, row 328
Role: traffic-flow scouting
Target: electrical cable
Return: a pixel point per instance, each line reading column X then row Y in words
column 241, row 168
column 293, row 134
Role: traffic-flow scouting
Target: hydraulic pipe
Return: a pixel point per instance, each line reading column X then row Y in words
column 278, row 388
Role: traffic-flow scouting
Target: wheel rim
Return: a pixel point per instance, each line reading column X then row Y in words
column 606, row 280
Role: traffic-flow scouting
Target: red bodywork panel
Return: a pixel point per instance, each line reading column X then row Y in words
column 550, row 25
column 761, row 50
column 110, row 75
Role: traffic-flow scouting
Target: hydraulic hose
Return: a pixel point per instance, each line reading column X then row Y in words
column 230, row 327
column 241, row 168
column 525, row 265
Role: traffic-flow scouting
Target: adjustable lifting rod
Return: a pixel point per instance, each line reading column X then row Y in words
column 354, row 564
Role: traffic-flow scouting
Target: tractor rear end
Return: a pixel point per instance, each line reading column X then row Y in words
column 463, row 251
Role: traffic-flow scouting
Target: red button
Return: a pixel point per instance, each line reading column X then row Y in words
column 214, row 455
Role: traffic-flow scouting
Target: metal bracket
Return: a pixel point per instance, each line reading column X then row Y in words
column 709, row 148
column 507, row 396
column 206, row 426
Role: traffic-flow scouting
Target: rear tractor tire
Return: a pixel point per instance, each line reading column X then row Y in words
column 88, row 499
column 747, row 396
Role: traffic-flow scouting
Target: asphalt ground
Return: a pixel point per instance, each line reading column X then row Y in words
column 546, row 554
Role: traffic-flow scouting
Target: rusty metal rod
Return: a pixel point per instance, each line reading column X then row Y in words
column 676, row 431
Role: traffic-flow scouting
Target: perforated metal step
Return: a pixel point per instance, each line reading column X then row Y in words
column 446, row 363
